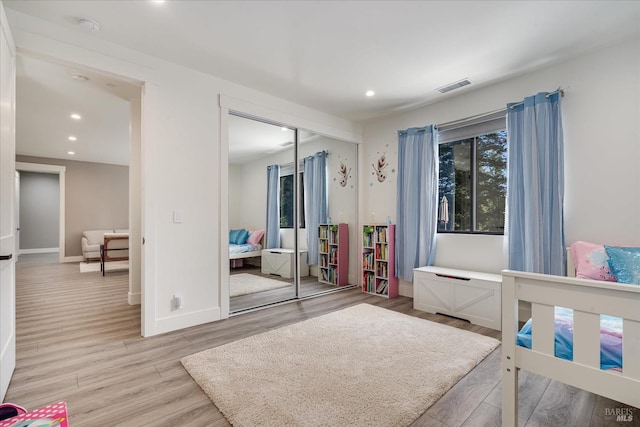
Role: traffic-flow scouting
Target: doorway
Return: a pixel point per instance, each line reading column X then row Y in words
column 104, row 137
column 57, row 173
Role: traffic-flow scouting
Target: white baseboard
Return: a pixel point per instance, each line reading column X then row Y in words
column 39, row 251
column 405, row 289
column 134, row 298
column 176, row 322
column 77, row 258
column 313, row 270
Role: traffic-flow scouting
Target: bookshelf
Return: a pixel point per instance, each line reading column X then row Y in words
column 333, row 240
column 378, row 260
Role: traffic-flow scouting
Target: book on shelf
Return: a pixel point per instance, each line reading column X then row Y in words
column 382, row 234
column 378, row 260
column 367, row 261
column 367, row 236
column 382, row 287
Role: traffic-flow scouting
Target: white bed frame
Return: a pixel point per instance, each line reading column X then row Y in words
column 252, row 254
column 588, row 299
column 246, row 255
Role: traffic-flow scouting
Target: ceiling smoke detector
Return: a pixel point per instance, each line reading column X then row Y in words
column 89, row 24
column 454, row 86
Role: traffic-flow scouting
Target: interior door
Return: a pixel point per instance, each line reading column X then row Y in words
column 257, row 150
column 330, row 267
column 7, row 185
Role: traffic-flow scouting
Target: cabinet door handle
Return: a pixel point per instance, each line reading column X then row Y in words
column 6, row 257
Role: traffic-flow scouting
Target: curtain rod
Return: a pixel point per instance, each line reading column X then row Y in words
column 477, row 116
column 301, row 161
column 559, row 90
column 466, row 119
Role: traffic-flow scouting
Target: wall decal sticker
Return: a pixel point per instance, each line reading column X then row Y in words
column 344, row 174
column 380, row 166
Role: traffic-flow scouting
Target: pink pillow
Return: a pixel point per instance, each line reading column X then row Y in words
column 256, row 236
column 591, row 261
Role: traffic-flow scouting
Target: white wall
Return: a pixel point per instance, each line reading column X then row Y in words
column 253, row 187
column 601, row 116
column 96, row 197
column 182, row 166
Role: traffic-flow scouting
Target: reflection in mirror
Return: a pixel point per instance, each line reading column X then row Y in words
column 329, row 213
column 262, row 209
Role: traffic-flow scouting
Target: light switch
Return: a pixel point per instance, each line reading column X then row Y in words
column 177, row 217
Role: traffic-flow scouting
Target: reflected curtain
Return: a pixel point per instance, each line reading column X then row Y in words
column 315, row 200
column 535, row 194
column 417, row 200
column 272, row 239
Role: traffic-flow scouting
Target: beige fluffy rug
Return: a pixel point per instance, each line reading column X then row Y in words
column 243, row 284
column 361, row 366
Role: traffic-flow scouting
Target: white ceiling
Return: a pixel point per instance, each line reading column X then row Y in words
column 46, row 96
column 249, row 139
column 326, row 54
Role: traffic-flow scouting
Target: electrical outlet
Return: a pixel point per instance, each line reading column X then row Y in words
column 177, row 302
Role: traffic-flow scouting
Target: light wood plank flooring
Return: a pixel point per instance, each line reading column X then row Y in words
column 78, row 340
column 309, row 285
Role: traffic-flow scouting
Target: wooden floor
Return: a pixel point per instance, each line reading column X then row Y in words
column 78, row 340
column 309, row 285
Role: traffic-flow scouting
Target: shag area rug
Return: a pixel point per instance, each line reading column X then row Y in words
column 243, row 284
column 360, row 366
column 88, row 267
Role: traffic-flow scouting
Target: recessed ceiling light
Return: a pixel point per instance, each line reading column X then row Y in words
column 73, row 138
column 80, row 77
column 370, row 93
column 284, row 129
column 71, row 153
column 89, row 24
column 76, row 116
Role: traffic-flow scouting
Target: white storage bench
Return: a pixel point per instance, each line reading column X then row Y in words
column 469, row 295
column 280, row 261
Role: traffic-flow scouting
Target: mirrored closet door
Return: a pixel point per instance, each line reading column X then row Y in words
column 292, row 213
column 261, row 213
column 329, row 234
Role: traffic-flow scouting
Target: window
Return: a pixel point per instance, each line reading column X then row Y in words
column 472, row 182
column 287, row 201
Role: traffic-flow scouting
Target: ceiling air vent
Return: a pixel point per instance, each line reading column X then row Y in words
column 453, row 86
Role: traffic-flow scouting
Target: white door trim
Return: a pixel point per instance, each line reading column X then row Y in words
column 16, row 218
column 7, row 195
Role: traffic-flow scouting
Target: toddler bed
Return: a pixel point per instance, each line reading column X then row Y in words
column 587, row 335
